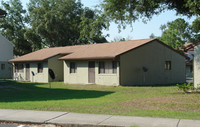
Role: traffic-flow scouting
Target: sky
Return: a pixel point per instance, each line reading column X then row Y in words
column 140, row 30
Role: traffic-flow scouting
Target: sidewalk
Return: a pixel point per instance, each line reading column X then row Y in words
column 78, row 119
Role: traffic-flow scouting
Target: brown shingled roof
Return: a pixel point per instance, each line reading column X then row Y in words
column 105, row 50
column 188, row 47
column 83, row 52
column 44, row 54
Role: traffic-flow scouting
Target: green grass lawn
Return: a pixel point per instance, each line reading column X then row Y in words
column 133, row 101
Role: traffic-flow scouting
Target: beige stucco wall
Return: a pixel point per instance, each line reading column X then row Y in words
column 6, row 53
column 107, row 79
column 153, row 57
column 197, row 66
column 39, row 77
column 57, row 67
column 81, row 77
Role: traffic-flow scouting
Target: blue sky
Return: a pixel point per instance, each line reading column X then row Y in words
column 140, row 30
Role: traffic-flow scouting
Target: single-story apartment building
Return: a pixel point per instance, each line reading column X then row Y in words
column 136, row 62
column 6, row 53
column 34, row 66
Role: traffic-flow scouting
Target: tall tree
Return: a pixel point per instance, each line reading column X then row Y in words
column 63, row 22
column 91, row 26
column 13, row 26
column 179, row 32
column 196, row 30
column 152, row 36
column 176, row 33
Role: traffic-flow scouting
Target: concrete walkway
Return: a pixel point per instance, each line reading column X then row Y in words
column 78, row 119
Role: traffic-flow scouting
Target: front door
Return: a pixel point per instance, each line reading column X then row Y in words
column 27, row 72
column 91, row 72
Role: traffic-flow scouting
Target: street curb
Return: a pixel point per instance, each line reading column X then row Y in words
column 85, row 125
column 60, row 124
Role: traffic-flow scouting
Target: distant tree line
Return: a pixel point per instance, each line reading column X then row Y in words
column 49, row 23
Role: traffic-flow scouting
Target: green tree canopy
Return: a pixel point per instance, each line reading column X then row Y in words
column 176, row 33
column 179, row 32
column 63, row 22
column 128, row 11
column 13, row 26
column 196, row 30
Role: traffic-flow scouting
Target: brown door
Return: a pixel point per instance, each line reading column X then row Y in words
column 91, row 72
column 27, row 72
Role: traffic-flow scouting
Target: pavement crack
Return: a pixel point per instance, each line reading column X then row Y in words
column 56, row 117
column 104, row 120
column 178, row 122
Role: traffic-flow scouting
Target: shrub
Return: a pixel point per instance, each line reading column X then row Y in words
column 186, row 87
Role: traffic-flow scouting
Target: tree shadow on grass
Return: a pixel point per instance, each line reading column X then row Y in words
column 12, row 91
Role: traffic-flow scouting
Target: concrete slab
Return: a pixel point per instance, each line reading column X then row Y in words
column 189, row 123
column 140, row 121
column 7, row 112
column 31, row 116
column 80, row 119
column 91, row 119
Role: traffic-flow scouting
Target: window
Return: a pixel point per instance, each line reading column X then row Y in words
column 73, row 68
column 167, row 65
column 40, row 67
column 19, row 68
column 108, row 67
column 101, row 67
column 114, row 67
column 2, row 66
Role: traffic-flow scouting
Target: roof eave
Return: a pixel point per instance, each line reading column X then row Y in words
column 20, row 61
column 90, row 58
column 45, row 59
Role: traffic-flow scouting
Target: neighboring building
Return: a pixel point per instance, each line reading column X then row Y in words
column 196, row 63
column 189, row 52
column 138, row 62
column 195, row 47
column 6, row 53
